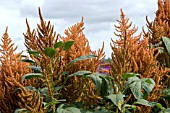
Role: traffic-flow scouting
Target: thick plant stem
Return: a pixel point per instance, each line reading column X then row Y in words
column 52, row 84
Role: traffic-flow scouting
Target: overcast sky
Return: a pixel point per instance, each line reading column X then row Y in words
column 99, row 17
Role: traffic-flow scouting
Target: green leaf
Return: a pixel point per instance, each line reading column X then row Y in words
column 166, row 93
column 32, row 75
column 45, row 104
column 44, row 91
column 27, row 60
column 102, row 83
column 132, row 79
column 50, row 52
column 106, row 87
column 136, row 85
column 62, row 109
column 148, row 84
column 128, row 75
column 166, row 41
column 58, row 44
column 127, row 105
column 36, row 69
column 82, row 58
column 110, row 89
column 65, row 72
column 78, row 73
column 149, row 81
column 35, row 53
column 160, row 106
column 134, row 107
column 142, row 102
column 145, row 102
column 68, row 44
column 57, row 88
column 96, row 80
column 117, row 99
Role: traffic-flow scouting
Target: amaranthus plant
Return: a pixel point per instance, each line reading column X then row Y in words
column 51, row 66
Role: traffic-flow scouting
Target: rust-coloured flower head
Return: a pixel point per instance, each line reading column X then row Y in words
column 11, row 69
column 124, row 48
column 81, row 47
column 161, row 24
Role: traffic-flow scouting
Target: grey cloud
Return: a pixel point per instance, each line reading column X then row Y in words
column 94, row 11
column 97, row 27
column 91, row 13
column 28, row 8
column 99, row 11
column 25, row 13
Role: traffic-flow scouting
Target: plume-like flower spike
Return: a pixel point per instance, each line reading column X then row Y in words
column 12, row 70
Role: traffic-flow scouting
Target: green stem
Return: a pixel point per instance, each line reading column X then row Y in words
column 124, row 57
column 51, row 72
column 52, row 84
column 117, row 111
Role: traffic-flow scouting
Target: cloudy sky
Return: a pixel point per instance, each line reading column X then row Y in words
column 99, row 17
